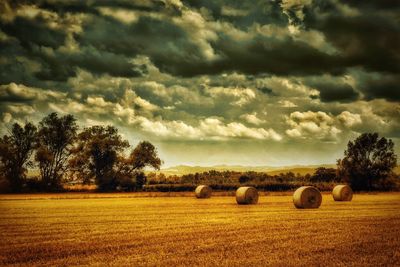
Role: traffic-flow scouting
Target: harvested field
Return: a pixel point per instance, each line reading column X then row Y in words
column 130, row 229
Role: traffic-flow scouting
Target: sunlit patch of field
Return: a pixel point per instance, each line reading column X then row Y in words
column 122, row 230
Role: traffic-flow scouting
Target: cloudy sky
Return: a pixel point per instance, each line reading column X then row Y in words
column 208, row 81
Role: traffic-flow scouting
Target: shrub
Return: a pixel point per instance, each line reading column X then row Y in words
column 4, row 185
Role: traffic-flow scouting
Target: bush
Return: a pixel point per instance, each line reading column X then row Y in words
column 126, row 184
column 324, row 175
column 244, row 179
column 269, row 186
column 389, row 184
column 4, row 185
column 36, row 185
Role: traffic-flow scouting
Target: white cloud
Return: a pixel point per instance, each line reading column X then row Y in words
column 233, row 12
column 144, row 104
column 215, row 128
column 312, row 125
column 17, row 90
column 208, row 129
column 156, row 88
column 169, row 129
column 175, row 3
column 287, row 87
column 98, row 101
column 123, row 15
column 349, row 119
column 199, row 31
column 7, row 117
column 20, row 91
column 252, row 118
column 287, row 104
column 21, row 109
column 124, row 113
column 296, row 6
column 91, row 122
column 85, row 81
column 239, row 96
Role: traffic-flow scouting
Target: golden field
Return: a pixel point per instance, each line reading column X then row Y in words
column 175, row 230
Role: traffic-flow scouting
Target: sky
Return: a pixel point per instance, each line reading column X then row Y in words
column 208, row 82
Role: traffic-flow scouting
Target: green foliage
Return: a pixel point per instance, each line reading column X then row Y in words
column 99, row 155
column 244, row 179
column 231, row 180
column 4, row 185
column 324, row 175
column 55, row 138
column 144, row 155
column 140, row 178
column 368, row 162
column 15, row 153
column 267, row 186
column 95, row 156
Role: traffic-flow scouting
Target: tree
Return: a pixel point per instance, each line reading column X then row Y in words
column 96, row 154
column 367, row 161
column 140, row 179
column 244, row 179
column 144, row 155
column 99, row 155
column 56, row 136
column 15, row 154
column 322, row 174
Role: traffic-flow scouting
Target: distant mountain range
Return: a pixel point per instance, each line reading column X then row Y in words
column 302, row 169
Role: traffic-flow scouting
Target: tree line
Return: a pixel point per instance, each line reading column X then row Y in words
column 56, row 147
column 368, row 164
column 60, row 151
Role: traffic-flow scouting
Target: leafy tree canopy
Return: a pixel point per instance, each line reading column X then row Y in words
column 368, row 161
column 15, row 154
column 56, row 136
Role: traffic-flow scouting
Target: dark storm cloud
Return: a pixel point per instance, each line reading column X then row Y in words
column 266, row 90
column 33, row 32
column 60, row 66
column 148, row 36
column 171, row 49
column 35, row 39
column 386, row 87
column 249, row 12
column 13, row 69
column 375, row 4
column 79, row 6
column 363, row 40
column 282, row 57
column 330, row 91
column 366, row 37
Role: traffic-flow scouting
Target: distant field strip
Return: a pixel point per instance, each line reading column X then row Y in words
column 121, row 230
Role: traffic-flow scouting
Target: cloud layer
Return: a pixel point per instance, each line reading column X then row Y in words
column 267, row 78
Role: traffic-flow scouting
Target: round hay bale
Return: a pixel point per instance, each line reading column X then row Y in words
column 246, row 195
column 203, row 191
column 307, row 197
column 342, row 193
